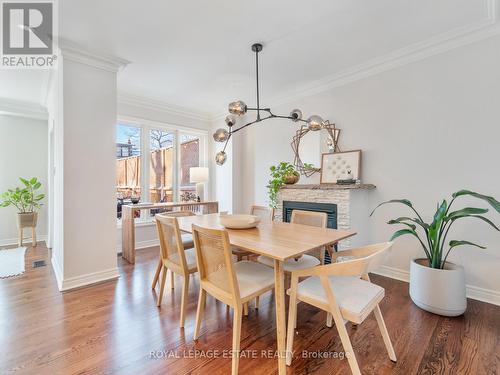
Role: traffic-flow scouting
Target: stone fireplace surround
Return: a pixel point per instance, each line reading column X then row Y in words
column 340, row 195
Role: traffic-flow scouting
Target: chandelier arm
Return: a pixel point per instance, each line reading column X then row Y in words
column 227, row 141
column 290, row 118
column 251, row 123
column 259, row 109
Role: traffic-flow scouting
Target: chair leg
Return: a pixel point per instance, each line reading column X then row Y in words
column 199, row 312
column 236, row 339
column 20, row 241
column 185, row 291
column 157, row 274
column 33, row 236
column 346, row 343
column 257, row 302
column 385, row 334
column 245, row 308
column 172, row 279
column 162, row 285
column 292, row 324
column 329, row 320
column 295, row 326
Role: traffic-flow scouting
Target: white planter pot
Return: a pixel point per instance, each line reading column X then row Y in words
column 438, row 291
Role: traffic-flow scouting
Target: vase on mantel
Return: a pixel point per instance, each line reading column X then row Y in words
column 291, row 179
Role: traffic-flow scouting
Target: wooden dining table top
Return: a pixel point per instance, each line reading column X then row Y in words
column 277, row 240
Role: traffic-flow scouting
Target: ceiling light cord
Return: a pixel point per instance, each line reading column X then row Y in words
column 257, row 76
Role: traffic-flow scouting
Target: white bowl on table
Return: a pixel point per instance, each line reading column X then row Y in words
column 239, row 221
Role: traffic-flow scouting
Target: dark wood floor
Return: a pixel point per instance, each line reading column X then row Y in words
column 116, row 328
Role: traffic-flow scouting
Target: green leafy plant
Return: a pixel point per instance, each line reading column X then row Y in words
column 278, row 175
column 435, row 233
column 25, row 199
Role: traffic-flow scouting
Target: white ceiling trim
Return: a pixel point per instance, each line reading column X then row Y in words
column 438, row 44
column 455, row 38
column 73, row 52
column 22, row 109
column 158, row 105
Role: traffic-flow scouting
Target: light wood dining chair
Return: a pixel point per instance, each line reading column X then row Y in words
column 266, row 215
column 174, row 257
column 315, row 258
column 233, row 283
column 345, row 291
column 187, row 242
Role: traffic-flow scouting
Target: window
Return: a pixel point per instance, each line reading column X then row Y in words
column 161, row 186
column 128, row 160
column 189, row 157
column 162, row 176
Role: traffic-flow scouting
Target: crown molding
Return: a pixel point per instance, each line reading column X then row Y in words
column 23, row 109
column 444, row 42
column 158, row 105
column 73, row 52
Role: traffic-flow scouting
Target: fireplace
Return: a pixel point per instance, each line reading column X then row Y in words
column 335, row 200
column 329, row 208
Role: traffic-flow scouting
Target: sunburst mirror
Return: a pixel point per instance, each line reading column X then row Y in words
column 303, row 166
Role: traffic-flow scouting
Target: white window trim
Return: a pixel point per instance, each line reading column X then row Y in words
column 147, row 125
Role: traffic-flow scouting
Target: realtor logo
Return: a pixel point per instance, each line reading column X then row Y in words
column 27, row 34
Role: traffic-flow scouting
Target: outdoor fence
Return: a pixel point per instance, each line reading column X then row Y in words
column 128, row 172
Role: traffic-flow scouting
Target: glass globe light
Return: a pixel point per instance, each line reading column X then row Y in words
column 221, row 135
column 220, row 158
column 296, row 115
column 238, row 108
column 230, row 120
column 315, row 123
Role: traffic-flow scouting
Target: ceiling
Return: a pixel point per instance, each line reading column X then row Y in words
column 197, row 54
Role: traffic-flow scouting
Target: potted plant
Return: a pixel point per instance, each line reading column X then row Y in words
column 26, row 200
column 281, row 174
column 437, row 285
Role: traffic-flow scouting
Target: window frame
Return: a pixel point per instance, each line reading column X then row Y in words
column 146, row 126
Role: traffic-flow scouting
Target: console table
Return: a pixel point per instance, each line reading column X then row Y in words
column 128, row 220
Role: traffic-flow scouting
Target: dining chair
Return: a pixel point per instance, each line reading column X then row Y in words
column 187, row 242
column 173, row 255
column 315, row 258
column 266, row 215
column 233, row 283
column 345, row 291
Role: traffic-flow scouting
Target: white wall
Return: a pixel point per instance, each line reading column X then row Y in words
column 426, row 130
column 23, row 153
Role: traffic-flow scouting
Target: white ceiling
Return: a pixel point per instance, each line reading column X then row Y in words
column 197, row 54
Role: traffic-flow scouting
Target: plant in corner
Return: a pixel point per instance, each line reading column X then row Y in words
column 27, row 201
column 281, row 174
column 437, row 285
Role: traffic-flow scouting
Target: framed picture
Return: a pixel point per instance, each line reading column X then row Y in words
column 336, row 166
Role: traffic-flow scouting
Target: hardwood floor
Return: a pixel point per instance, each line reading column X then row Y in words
column 116, row 328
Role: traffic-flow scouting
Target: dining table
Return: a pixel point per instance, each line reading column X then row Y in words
column 279, row 241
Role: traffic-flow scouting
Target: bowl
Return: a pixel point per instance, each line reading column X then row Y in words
column 239, row 221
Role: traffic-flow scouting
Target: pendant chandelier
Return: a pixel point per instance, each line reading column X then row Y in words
column 239, row 108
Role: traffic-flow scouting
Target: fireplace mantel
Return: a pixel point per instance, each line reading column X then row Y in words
column 329, row 186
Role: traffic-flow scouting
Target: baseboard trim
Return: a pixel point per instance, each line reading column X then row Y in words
column 472, row 292
column 88, row 279
column 13, row 241
column 58, row 272
column 141, row 245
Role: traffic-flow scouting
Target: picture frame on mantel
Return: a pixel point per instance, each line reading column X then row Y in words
column 335, row 166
